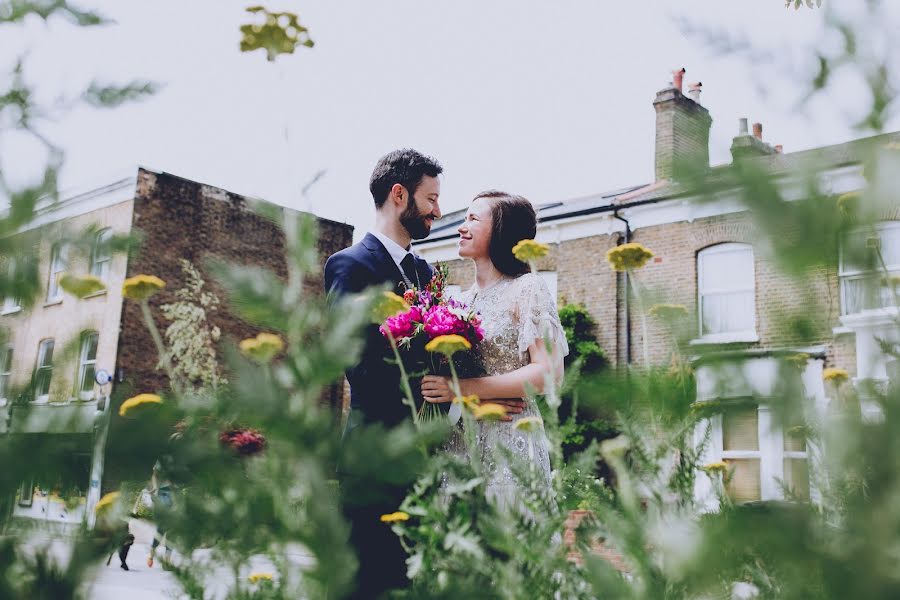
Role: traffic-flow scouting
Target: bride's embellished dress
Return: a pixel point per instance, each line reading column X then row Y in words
column 515, row 312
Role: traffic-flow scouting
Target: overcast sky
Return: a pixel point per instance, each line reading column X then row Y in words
column 551, row 100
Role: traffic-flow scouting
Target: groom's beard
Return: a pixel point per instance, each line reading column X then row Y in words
column 415, row 223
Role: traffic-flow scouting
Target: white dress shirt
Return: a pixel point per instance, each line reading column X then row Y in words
column 397, row 252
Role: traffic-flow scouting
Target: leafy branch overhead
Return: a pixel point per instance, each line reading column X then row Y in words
column 281, row 33
column 798, row 3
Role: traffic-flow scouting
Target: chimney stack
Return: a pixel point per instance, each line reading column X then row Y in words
column 745, row 144
column 682, row 128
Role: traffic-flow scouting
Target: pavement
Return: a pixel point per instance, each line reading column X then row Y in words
column 141, row 582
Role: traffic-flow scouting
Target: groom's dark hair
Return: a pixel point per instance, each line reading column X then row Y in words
column 404, row 166
column 513, row 220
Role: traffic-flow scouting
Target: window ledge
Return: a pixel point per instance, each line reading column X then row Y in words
column 732, row 337
column 95, row 294
column 870, row 318
column 842, row 330
column 11, row 311
column 53, row 302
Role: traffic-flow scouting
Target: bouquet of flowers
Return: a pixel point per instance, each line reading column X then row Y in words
column 431, row 314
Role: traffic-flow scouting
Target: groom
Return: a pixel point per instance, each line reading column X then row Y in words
column 406, row 189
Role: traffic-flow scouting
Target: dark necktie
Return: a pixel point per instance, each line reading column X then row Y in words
column 408, row 264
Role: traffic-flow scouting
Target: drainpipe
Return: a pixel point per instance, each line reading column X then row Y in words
column 621, row 241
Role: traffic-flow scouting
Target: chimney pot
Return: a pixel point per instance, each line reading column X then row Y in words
column 742, row 127
column 694, row 91
column 757, row 131
column 678, row 78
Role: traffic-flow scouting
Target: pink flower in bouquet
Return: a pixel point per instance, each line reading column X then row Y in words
column 243, row 441
column 476, row 331
column 409, row 296
column 402, row 325
column 440, row 320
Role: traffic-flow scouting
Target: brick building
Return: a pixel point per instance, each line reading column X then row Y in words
column 175, row 219
column 711, row 259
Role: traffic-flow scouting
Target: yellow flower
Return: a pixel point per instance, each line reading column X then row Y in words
column 388, row 305
column 138, row 401
column 257, row 577
column 529, row 250
column 141, row 287
column 106, row 501
column 529, row 424
column 448, row 345
column 716, row 467
column 668, row 312
column 836, row 376
column 469, row 402
column 262, row 348
column 798, row 360
column 848, row 202
column 394, row 517
column 892, row 281
column 628, row 257
column 489, row 412
column 81, row 286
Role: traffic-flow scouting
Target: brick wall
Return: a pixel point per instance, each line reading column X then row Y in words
column 584, row 277
column 184, row 219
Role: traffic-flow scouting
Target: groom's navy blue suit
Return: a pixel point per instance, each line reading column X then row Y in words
column 375, row 398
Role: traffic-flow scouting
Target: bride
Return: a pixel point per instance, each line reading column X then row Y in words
column 518, row 315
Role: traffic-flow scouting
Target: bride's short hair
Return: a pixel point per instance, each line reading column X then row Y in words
column 513, row 220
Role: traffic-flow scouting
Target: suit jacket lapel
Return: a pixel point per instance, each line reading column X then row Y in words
column 386, row 267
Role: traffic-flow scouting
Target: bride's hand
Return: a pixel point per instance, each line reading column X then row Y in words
column 436, row 389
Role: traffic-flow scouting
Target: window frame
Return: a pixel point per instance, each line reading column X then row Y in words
column 100, row 264
column 59, row 258
column 11, row 304
column 5, row 372
column 771, row 453
column 743, row 335
column 84, row 362
column 845, row 274
column 42, row 353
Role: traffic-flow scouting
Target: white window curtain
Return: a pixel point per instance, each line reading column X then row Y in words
column 863, row 282
column 727, row 290
column 88, row 365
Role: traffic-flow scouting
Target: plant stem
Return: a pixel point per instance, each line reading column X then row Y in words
column 160, row 347
column 404, row 378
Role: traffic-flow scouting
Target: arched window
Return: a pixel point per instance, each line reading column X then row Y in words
column 726, row 285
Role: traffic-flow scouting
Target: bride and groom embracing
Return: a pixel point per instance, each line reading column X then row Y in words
column 517, row 314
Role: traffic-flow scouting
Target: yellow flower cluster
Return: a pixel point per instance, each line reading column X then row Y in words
column 848, row 202
column 668, row 312
column 798, row 360
column 257, row 577
column 836, row 376
column 139, row 400
column 81, row 286
column 106, row 501
column 387, row 305
column 469, row 402
column 529, row 424
column 716, row 467
column 262, row 348
column 141, row 287
column 489, row 412
column 529, row 250
column 395, row 517
column 628, row 257
column 448, row 345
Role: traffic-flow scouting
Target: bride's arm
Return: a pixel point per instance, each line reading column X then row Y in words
column 513, row 384
column 505, row 386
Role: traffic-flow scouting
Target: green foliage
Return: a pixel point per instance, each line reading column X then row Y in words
column 14, row 11
column 280, row 33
